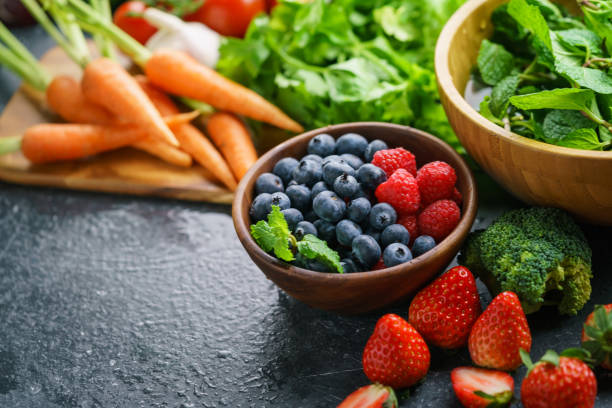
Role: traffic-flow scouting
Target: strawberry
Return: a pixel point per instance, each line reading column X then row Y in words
column 445, row 311
column 480, row 388
column 558, row 382
column 395, row 355
column 499, row 333
column 597, row 335
column 371, row 396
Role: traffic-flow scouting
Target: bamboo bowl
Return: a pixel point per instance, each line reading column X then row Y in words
column 364, row 291
column 578, row 181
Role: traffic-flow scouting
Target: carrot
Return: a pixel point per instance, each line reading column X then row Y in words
column 190, row 138
column 49, row 142
column 177, row 73
column 164, row 151
column 110, row 85
column 233, row 139
column 64, row 97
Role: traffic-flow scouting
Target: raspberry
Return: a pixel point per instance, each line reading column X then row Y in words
column 457, row 197
column 439, row 219
column 392, row 159
column 436, row 181
column 410, row 222
column 401, row 191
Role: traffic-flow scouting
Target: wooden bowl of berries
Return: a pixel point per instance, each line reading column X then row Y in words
column 341, row 219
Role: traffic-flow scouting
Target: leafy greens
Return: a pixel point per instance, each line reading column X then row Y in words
column 326, row 62
column 550, row 72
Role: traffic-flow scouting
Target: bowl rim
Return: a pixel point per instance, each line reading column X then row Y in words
column 442, row 69
column 469, row 210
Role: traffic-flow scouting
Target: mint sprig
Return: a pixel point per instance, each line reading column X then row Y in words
column 274, row 236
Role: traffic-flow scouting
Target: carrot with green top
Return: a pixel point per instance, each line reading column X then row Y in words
column 50, row 142
column 233, row 139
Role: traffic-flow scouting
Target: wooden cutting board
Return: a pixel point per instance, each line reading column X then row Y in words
column 124, row 171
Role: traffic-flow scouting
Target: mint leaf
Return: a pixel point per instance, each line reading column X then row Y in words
column 580, row 40
column 501, row 93
column 494, row 62
column 560, row 123
column 585, row 139
column 594, row 79
column 485, row 111
column 313, row 248
column 273, row 235
column 531, row 19
column 562, row 98
column 600, row 24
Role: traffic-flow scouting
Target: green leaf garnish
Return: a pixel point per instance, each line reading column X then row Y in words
column 314, row 248
column 274, row 235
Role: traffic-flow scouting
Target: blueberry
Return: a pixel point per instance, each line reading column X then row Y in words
column 311, row 216
column 299, row 196
column 373, row 147
column 328, row 206
column 313, row 157
column 361, row 193
column 322, row 145
column 381, row 216
column 351, row 143
column 302, row 262
column 284, row 168
column 422, row 244
column 281, row 200
column 293, row 217
column 348, row 265
column 366, row 250
column 304, row 228
column 358, row 209
column 354, row 161
column 346, row 186
column 318, row 188
column 260, row 207
column 370, row 176
column 268, row 183
column 347, row 231
column 373, row 233
column 326, row 230
column 394, row 233
column 293, row 183
column 396, row 254
column 308, row 172
column 331, row 158
column 334, row 169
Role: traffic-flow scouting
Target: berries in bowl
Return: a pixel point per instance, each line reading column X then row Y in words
column 342, row 207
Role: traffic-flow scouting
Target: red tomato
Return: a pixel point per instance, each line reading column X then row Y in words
column 135, row 26
column 228, row 17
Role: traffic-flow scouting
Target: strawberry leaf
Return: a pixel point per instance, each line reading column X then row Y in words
column 526, row 359
column 551, row 357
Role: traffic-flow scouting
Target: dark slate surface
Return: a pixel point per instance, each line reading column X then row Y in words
column 110, row 301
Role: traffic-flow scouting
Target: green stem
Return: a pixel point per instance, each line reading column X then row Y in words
column 597, row 119
column 297, row 63
column 34, row 75
column 92, row 21
column 293, row 241
column 39, row 14
column 202, row 107
column 14, row 45
column 10, row 144
column 105, row 46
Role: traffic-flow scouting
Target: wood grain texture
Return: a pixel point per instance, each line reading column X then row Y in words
column 125, row 171
column 365, row 291
column 578, row 181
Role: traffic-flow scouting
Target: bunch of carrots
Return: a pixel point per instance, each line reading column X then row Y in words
column 109, row 108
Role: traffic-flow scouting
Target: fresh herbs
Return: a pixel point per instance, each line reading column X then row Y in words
column 346, row 60
column 550, row 73
column 274, row 236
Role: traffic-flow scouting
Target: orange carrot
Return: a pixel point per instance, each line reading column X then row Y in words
column 177, row 73
column 190, row 138
column 164, row 151
column 110, row 85
column 64, row 97
column 233, row 139
column 49, row 142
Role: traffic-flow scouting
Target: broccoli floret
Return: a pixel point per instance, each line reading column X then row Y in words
column 538, row 253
